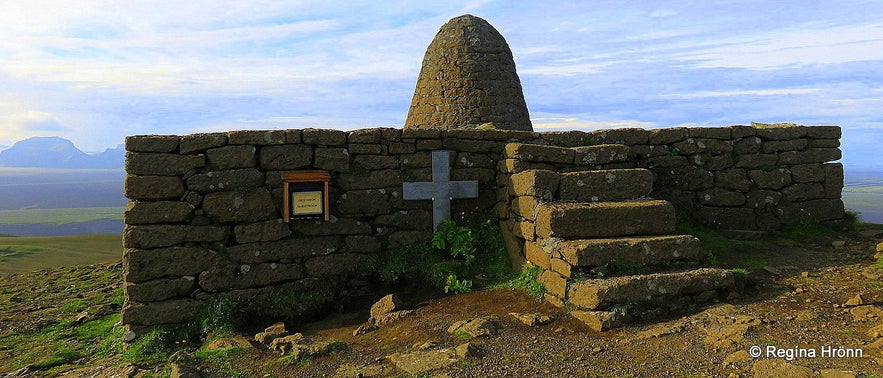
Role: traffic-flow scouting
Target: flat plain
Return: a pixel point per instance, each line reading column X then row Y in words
column 25, row 254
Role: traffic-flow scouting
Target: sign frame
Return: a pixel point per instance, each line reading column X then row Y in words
column 305, row 182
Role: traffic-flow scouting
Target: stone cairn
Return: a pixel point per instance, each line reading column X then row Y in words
column 468, row 79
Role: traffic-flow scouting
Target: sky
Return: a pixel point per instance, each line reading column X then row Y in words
column 96, row 71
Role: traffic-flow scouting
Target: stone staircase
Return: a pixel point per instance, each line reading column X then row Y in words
column 606, row 247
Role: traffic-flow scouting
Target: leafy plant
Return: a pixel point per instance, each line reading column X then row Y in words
column 457, row 240
column 453, row 285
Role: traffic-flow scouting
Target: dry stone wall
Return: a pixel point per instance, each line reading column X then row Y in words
column 205, row 211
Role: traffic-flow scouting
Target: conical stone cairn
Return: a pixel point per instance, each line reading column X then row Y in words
column 468, row 80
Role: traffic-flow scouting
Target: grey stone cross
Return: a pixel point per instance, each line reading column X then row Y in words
column 441, row 190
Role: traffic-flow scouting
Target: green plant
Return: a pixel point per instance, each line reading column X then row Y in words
column 453, row 285
column 462, row 334
column 220, row 317
column 454, row 250
column 457, row 240
column 739, row 272
column 527, row 280
column 59, row 357
column 851, row 220
column 74, row 305
column 159, row 344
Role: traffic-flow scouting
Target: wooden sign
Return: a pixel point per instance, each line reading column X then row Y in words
column 306, row 195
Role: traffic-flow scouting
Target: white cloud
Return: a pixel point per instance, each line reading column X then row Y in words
column 24, row 124
column 575, row 123
column 754, row 92
column 663, row 13
column 808, row 44
column 569, row 69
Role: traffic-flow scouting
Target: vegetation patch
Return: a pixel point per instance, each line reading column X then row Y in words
column 453, row 259
column 60, row 216
column 26, row 254
column 527, row 280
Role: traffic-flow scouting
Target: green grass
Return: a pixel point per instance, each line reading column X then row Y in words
column 724, row 252
column 60, row 216
column 25, row 254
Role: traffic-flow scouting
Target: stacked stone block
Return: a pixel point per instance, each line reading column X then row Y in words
column 589, row 219
column 467, row 80
column 205, row 211
column 205, row 214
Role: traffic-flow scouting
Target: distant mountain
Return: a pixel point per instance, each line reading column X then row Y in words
column 55, row 152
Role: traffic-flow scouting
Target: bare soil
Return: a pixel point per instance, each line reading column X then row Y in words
column 797, row 299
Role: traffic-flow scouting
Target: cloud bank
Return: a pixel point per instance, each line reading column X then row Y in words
column 96, row 71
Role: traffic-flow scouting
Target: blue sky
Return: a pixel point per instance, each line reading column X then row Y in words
column 96, row 71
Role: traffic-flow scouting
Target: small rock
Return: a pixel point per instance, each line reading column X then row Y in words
column 876, row 332
column 358, row 371
column 740, row 356
column 532, row 319
column 778, row 368
column 129, row 337
column 828, row 373
column 390, row 318
column 880, row 247
column 271, row 333
column 855, row 301
column 423, row 361
column 798, row 290
column 872, row 274
column 82, row 318
column 427, row 345
column 20, row 373
column 466, row 350
column 311, row 349
column 386, row 305
column 478, row 327
column 229, row 342
column 772, row 270
column 866, row 312
column 601, row 320
column 181, row 371
column 286, row 344
column 365, row 328
column 838, row 243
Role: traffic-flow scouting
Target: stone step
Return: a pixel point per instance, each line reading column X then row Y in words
column 572, row 221
column 646, row 250
column 605, row 185
column 602, row 293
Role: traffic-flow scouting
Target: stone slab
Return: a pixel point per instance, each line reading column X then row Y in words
column 605, row 185
column 604, row 219
column 602, row 293
column 640, row 250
